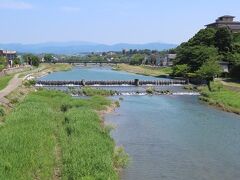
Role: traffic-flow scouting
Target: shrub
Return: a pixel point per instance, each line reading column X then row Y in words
column 30, row 83
column 2, row 112
column 180, row 70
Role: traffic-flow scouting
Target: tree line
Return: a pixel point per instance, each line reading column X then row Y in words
column 200, row 56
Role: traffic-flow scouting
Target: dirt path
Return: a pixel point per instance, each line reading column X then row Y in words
column 231, row 85
column 12, row 85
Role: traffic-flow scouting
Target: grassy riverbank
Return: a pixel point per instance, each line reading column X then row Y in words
column 4, row 80
column 46, row 68
column 145, row 70
column 221, row 97
column 51, row 135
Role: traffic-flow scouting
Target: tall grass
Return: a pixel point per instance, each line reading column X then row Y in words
column 46, row 119
column 4, row 80
column 87, row 147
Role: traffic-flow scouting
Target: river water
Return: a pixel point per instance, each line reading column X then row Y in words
column 169, row 137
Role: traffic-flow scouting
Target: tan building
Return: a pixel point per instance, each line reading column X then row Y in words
column 226, row 21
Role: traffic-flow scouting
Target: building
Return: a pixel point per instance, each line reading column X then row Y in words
column 226, row 21
column 224, row 66
column 166, row 60
column 9, row 55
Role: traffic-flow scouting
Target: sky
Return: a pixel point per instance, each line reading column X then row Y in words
column 108, row 21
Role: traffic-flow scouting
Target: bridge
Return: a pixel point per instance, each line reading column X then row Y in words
column 135, row 82
column 90, row 62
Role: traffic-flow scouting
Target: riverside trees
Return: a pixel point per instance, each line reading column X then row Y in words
column 209, row 46
column 31, row 59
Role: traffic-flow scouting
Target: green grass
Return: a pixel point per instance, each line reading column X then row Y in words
column 145, row 70
column 97, row 92
column 89, row 91
column 47, row 119
column 222, row 97
column 4, row 80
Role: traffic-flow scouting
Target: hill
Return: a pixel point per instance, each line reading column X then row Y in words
column 81, row 47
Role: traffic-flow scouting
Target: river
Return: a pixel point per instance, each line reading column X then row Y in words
column 169, row 137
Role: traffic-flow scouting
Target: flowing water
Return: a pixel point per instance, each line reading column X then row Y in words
column 169, row 137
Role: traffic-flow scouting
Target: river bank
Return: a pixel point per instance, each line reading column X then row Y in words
column 221, row 97
column 61, row 137
column 145, row 70
column 57, row 120
column 227, row 99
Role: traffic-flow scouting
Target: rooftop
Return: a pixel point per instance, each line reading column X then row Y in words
column 226, row 16
column 8, row 52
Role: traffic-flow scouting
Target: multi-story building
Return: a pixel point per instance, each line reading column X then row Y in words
column 226, row 21
column 9, row 55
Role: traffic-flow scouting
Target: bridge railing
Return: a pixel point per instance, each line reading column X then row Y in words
column 90, row 62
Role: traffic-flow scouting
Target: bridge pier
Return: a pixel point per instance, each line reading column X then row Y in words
column 136, row 82
column 83, row 82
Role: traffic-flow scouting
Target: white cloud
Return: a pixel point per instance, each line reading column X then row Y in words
column 70, row 9
column 15, row 5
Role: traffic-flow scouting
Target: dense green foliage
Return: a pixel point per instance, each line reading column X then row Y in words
column 48, row 58
column 209, row 69
column 3, row 63
column 224, row 40
column 50, row 130
column 16, row 61
column 137, row 59
column 31, row 59
column 4, row 80
column 195, row 56
column 210, row 45
column 180, row 70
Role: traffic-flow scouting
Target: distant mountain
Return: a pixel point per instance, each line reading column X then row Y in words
column 81, row 47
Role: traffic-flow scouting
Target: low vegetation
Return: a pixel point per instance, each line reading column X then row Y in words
column 51, row 134
column 88, row 91
column 4, row 80
column 222, row 97
column 145, row 70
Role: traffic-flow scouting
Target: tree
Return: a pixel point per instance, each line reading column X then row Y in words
column 209, row 70
column 136, row 59
column 180, row 70
column 195, row 56
column 35, row 61
column 153, row 59
column 3, row 62
column 204, row 37
column 48, row 58
column 224, row 40
column 31, row 59
column 16, row 61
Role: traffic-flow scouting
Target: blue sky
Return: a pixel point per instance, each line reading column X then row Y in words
column 108, row 21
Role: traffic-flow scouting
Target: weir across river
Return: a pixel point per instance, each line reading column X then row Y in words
column 135, row 82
